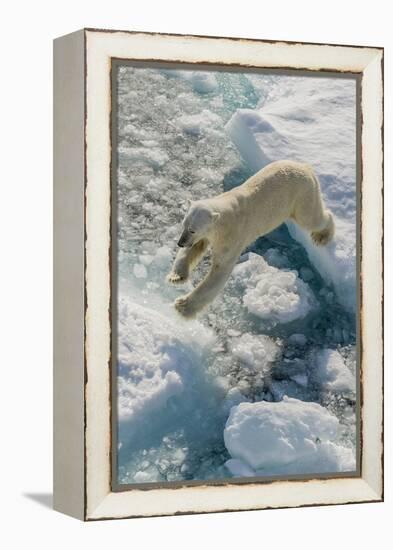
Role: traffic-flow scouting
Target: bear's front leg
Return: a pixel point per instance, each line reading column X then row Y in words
column 190, row 304
column 186, row 259
column 186, row 306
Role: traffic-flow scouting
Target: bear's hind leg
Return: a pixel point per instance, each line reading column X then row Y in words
column 325, row 235
column 311, row 214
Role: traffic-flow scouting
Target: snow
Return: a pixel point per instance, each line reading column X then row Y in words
column 257, row 351
column 202, row 82
column 312, row 120
column 238, row 468
column 290, row 436
column 331, row 372
column 154, row 363
column 142, row 477
column 163, row 257
column 154, row 157
column 273, row 294
column 140, row 271
column 198, row 123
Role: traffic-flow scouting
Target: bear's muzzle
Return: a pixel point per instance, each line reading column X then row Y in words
column 184, row 240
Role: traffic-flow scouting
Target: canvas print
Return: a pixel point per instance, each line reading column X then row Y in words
column 234, row 273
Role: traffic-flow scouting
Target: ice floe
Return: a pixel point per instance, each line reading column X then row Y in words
column 290, row 436
column 278, row 296
column 331, row 373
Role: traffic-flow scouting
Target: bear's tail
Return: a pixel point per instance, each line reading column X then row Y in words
column 325, row 235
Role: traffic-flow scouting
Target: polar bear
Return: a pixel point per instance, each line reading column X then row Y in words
column 229, row 222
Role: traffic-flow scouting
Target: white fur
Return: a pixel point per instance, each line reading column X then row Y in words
column 229, row 222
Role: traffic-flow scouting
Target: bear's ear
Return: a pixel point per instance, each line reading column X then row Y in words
column 189, row 202
column 215, row 215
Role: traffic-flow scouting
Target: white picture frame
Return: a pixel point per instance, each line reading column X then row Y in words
column 82, row 267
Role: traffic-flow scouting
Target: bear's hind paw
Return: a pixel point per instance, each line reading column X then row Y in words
column 321, row 238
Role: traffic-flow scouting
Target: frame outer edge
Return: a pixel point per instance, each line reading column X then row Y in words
column 68, row 290
column 104, row 509
column 372, row 266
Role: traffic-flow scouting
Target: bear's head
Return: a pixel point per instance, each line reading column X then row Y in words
column 197, row 223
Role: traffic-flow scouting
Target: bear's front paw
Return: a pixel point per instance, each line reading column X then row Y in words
column 176, row 279
column 185, row 307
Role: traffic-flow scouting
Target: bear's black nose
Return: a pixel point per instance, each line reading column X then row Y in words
column 180, row 243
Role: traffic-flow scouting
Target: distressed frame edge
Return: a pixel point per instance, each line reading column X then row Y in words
column 372, row 268
column 374, row 494
column 236, row 38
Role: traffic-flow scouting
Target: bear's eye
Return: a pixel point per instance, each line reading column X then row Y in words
column 191, row 231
